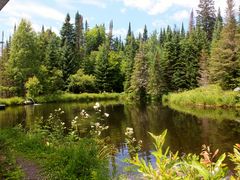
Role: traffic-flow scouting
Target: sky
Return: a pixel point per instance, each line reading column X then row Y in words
column 51, row 13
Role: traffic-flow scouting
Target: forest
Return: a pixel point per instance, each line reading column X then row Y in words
column 93, row 60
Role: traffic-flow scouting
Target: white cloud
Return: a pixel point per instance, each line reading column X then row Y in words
column 120, row 32
column 159, row 23
column 29, row 9
column 181, row 15
column 155, row 7
column 98, row 3
column 123, row 10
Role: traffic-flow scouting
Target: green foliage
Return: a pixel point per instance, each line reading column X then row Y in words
column 235, row 158
column 81, row 82
column 24, row 57
column 170, row 166
column 84, row 97
column 210, row 96
column 61, row 152
column 33, row 87
column 8, row 166
column 139, row 78
column 224, row 64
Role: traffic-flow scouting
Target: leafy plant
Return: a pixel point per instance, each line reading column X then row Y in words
column 169, row 165
column 235, row 158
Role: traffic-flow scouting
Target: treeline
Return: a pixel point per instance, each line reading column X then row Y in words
column 93, row 60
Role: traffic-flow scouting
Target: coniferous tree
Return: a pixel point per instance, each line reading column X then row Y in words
column 206, row 16
column 191, row 25
column 70, row 63
column 224, row 64
column 145, row 34
column 139, row 78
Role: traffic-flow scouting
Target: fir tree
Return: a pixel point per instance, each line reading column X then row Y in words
column 191, row 25
column 224, row 64
column 206, row 16
column 139, row 78
column 145, row 34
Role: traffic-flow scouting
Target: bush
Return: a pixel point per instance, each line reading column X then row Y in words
column 33, row 87
column 80, row 82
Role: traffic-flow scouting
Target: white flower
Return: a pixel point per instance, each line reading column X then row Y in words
column 62, row 123
column 76, row 117
column 106, row 127
column 96, row 106
column 97, row 124
column 47, row 143
column 106, row 114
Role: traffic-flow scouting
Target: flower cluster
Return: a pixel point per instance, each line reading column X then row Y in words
column 97, row 129
column 133, row 145
column 84, row 114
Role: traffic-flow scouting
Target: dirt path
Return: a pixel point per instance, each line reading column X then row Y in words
column 31, row 169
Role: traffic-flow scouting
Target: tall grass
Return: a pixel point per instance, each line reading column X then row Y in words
column 84, row 97
column 210, row 96
column 12, row 101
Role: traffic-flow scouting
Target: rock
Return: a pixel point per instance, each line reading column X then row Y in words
column 237, row 89
column 2, row 106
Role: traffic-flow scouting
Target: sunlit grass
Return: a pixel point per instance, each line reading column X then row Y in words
column 210, row 96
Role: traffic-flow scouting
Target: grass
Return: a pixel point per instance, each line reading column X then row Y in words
column 12, row 101
column 211, row 96
column 58, row 150
column 65, row 97
column 8, row 166
column 219, row 114
column 84, row 97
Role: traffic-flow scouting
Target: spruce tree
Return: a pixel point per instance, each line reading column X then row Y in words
column 139, row 78
column 191, row 25
column 206, row 16
column 224, row 64
column 70, row 62
column 145, row 34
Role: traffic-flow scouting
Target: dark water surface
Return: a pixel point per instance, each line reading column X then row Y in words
column 186, row 132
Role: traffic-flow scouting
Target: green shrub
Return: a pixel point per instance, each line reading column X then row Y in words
column 170, row 165
column 80, row 82
column 33, row 87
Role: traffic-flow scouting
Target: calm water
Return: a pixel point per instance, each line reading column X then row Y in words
column 186, row 132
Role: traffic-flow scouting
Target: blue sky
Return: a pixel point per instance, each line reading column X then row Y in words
column 51, row 13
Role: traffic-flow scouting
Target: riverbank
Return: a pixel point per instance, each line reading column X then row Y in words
column 211, row 96
column 53, row 156
column 65, row 97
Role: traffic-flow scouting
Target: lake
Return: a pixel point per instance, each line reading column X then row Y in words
column 187, row 130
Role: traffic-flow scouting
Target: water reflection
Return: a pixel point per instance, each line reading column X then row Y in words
column 186, row 132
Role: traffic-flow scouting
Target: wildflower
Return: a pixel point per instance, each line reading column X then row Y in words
column 106, row 114
column 92, row 126
column 106, row 127
column 96, row 106
column 76, row 117
column 62, row 123
column 62, row 112
column 73, row 122
column 47, row 143
column 97, row 124
column 140, row 142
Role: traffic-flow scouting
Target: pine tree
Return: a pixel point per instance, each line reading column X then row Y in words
column 145, row 34
column 206, row 16
column 139, row 78
column 191, row 25
column 102, row 71
column 70, row 62
column 224, row 64
column 79, row 31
